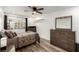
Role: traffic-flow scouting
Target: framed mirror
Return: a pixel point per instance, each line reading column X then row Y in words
column 64, row 22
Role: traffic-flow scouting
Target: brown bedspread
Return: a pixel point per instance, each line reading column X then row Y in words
column 23, row 39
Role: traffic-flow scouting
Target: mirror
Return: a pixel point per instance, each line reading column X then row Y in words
column 63, row 22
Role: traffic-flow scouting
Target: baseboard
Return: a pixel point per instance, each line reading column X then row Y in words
column 44, row 38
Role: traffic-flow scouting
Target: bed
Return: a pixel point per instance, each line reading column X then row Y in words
column 23, row 39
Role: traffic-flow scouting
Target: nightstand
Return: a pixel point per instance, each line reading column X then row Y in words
column 3, row 44
column 6, row 48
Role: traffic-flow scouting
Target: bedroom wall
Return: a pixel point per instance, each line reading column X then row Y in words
column 42, row 22
column 44, row 25
column 31, row 21
column 1, row 19
column 49, row 22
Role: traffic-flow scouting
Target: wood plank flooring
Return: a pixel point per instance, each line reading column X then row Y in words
column 43, row 46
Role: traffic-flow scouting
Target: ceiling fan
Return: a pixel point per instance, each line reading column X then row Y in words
column 35, row 9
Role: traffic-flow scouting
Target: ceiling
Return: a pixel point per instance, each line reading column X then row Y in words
column 20, row 9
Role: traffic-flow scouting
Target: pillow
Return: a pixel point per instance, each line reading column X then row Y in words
column 8, row 34
column 2, row 34
column 15, row 33
column 12, row 33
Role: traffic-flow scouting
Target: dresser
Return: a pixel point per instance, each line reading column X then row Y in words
column 64, row 39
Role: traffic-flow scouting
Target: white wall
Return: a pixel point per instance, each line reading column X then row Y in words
column 1, row 19
column 44, row 25
column 31, row 22
column 49, row 22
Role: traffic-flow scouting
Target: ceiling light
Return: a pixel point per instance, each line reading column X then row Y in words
column 34, row 12
column 38, row 18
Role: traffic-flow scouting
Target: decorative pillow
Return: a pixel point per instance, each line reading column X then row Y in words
column 2, row 34
column 15, row 34
column 12, row 33
column 8, row 34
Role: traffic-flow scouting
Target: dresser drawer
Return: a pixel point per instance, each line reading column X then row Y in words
column 63, row 39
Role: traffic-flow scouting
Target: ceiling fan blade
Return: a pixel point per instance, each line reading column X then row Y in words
column 34, row 9
column 30, row 6
column 27, row 10
column 39, row 12
column 41, row 9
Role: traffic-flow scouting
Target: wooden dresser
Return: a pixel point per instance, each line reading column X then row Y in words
column 63, row 38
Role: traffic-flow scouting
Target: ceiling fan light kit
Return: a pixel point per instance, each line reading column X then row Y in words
column 36, row 10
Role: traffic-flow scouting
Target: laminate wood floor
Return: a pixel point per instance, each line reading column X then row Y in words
column 43, row 46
